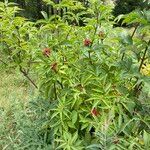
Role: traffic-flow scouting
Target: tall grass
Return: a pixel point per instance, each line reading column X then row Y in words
column 17, row 120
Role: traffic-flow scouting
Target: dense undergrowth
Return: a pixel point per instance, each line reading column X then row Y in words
column 92, row 80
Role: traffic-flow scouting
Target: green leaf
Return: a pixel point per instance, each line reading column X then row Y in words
column 146, row 137
column 107, row 88
column 125, row 38
column 74, row 116
column 44, row 15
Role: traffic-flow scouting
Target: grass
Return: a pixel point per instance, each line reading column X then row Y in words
column 12, row 88
column 15, row 93
column 19, row 122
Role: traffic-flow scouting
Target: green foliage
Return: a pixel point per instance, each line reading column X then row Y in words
column 89, row 78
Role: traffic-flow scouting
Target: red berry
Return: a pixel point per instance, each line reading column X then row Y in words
column 46, row 52
column 87, row 42
column 94, row 112
column 54, row 67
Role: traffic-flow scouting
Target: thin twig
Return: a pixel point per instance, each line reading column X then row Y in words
column 3, row 62
column 134, row 30
column 26, row 75
column 144, row 55
column 139, row 86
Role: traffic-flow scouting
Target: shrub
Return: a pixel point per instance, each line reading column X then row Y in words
column 91, row 89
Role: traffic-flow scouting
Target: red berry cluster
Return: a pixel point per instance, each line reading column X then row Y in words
column 46, row 52
column 87, row 42
column 94, row 112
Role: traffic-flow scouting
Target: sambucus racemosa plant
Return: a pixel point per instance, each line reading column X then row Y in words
column 17, row 39
column 90, row 75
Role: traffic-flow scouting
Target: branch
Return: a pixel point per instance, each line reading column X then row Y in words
column 3, row 62
column 134, row 30
column 138, row 87
column 26, row 75
column 143, row 58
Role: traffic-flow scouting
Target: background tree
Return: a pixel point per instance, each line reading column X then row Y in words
column 126, row 6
